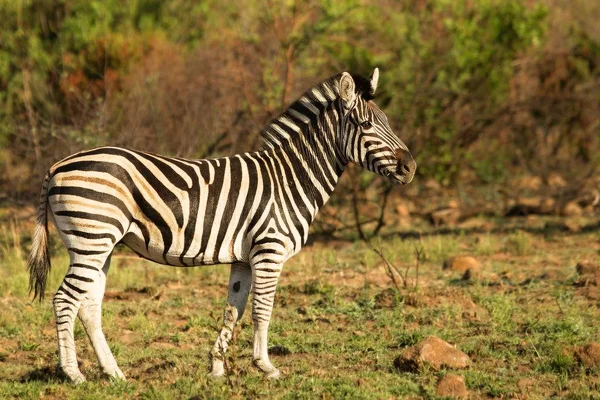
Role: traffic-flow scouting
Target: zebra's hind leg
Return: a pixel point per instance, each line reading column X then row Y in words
column 83, row 282
column 66, row 305
column 90, row 315
column 240, row 282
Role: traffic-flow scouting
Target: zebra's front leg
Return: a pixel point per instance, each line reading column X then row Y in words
column 240, row 282
column 266, row 270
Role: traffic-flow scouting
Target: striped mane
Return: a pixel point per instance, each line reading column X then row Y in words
column 304, row 112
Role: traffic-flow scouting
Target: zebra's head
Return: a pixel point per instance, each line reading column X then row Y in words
column 368, row 139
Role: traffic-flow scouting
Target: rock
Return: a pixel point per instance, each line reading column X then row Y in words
column 532, row 205
column 589, row 355
column 452, row 386
column 445, row 216
column 462, row 264
column 529, row 182
column 403, row 209
column 432, row 184
column 572, row 209
column 573, row 226
column 433, row 352
column 556, row 180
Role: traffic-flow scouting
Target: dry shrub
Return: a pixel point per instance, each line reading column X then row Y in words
column 180, row 103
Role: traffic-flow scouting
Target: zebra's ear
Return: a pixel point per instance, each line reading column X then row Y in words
column 374, row 79
column 347, row 90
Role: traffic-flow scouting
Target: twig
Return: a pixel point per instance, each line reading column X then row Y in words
column 418, row 253
column 391, row 270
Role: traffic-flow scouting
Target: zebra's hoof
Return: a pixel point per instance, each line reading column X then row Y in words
column 215, row 374
column 273, row 374
column 116, row 375
column 76, row 377
column 218, row 370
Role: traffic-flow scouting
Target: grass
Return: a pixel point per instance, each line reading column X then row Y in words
column 338, row 323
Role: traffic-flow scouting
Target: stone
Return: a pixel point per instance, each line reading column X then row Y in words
column 529, row 182
column 572, row 209
column 445, row 216
column 452, row 386
column 432, row 352
column 556, row 180
column 462, row 264
column 589, row 355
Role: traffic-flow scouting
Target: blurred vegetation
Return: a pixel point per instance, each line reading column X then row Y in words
column 480, row 90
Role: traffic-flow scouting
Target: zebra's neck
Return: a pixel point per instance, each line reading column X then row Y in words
column 305, row 136
column 308, row 132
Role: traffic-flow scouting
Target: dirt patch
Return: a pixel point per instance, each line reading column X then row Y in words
column 386, row 299
column 589, row 273
column 589, row 355
column 452, row 386
column 434, row 353
column 525, row 384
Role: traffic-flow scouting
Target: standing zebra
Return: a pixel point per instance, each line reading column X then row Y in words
column 249, row 210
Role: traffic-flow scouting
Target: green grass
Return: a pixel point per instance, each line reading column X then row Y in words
column 338, row 323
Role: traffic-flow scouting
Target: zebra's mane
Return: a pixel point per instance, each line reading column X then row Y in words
column 304, row 112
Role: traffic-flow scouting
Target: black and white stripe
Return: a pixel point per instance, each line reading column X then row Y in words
column 251, row 210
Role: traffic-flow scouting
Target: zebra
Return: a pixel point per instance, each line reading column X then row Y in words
column 250, row 210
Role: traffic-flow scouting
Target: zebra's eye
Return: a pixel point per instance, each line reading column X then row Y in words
column 365, row 125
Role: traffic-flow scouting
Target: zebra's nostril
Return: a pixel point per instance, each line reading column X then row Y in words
column 402, row 169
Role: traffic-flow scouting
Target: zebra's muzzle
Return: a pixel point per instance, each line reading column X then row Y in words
column 406, row 167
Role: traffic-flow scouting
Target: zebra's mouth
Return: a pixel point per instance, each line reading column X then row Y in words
column 394, row 177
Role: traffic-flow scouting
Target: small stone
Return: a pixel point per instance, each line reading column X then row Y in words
column 433, row 352
column 462, row 264
column 589, row 355
column 452, row 386
column 556, row 180
column 529, row 182
column 572, row 209
column 432, row 184
column 162, row 345
column 445, row 216
column 403, row 210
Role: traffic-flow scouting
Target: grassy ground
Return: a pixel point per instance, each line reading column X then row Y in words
column 337, row 326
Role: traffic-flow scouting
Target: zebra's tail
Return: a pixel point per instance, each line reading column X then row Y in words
column 38, row 262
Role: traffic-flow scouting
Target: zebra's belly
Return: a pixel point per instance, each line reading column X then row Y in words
column 155, row 251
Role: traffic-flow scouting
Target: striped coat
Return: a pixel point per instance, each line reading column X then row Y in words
column 250, row 210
